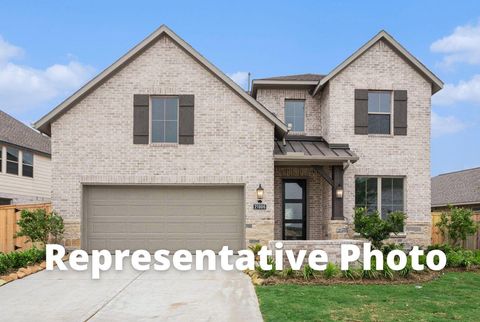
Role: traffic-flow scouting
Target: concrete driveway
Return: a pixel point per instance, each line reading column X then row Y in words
column 129, row 295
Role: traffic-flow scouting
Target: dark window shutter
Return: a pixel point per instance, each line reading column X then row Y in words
column 361, row 111
column 400, row 112
column 186, row 119
column 140, row 119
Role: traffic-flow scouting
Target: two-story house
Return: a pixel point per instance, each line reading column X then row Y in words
column 25, row 167
column 163, row 150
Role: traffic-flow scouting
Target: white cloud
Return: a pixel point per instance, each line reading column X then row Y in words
column 23, row 88
column 464, row 91
column 443, row 125
column 9, row 51
column 241, row 78
column 462, row 46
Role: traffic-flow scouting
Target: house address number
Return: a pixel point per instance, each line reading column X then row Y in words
column 259, row 206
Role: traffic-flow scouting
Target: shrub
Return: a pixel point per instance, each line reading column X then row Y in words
column 389, row 247
column 308, row 272
column 287, row 272
column 16, row 260
column 330, row 271
column 267, row 273
column 387, row 271
column 407, row 270
column 457, row 224
column 374, row 228
column 39, row 226
column 372, row 273
column 350, row 274
column 255, row 248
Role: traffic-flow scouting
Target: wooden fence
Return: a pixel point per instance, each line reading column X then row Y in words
column 9, row 215
column 472, row 242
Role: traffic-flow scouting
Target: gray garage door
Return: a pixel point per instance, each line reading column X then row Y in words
column 163, row 217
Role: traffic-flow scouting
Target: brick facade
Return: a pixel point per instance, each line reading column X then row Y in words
column 379, row 68
column 92, row 142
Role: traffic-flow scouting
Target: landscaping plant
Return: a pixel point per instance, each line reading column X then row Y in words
column 330, row 271
column 18, row 259
column 39, row 226
column 308, row 272
column 372, row 227
column 457, row 224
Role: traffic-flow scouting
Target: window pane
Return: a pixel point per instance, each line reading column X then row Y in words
column 293, row 231
column 293, row 190
column 392, row 195
column 27, row 171
column 27, row 158
column 373, row 102
column 293, row 210
column 366, row 193
column 385, row 102
column 158, row 131
column 12, row 167
column 295, row 114
column 372, row 194
column 170, row 131
column 171, row 113
column 12, row 154
column 378, row 123
column 158, row 109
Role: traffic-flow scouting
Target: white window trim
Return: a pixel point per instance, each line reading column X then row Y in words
column 383, row 113
column 304, row 114
column 150, row 121
column 379, row 190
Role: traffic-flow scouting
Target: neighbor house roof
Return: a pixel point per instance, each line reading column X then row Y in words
column 311, row 150
column 16, row 133
column 437, row 84
column 44, row 123
column 456, row 188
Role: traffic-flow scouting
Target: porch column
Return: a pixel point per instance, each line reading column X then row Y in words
column 337, row 203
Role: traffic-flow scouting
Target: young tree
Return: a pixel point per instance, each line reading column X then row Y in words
column 457, row 224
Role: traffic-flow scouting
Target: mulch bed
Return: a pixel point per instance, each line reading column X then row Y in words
column 414, row 278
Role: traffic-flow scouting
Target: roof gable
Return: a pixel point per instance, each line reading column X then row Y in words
column 437, row 84
column 16, row 133
column 44, row 123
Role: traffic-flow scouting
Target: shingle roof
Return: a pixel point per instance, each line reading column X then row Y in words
column 312, row 148
column 299, row 77
column 15, row 132
column 461, row 187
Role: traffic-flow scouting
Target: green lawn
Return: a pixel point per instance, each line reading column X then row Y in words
column 455, row 296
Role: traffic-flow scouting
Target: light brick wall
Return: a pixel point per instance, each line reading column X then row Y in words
column 380, row 68
column 92, row 142
column 274, row 100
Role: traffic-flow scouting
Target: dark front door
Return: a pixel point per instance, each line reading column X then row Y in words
column 294, row 210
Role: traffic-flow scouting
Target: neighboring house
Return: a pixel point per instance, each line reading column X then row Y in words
column 459, row 188
column 25, row 167
column 163, row 150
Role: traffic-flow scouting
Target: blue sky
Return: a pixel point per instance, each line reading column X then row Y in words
column 49, row 50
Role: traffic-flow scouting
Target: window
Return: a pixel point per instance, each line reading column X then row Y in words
column 12, row 160
column 294, row 210
column 164, row 120
column 295, row 114
column 379, row 112
column 27, row 164
column 376, row 193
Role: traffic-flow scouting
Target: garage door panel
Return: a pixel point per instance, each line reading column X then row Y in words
column 164, row 217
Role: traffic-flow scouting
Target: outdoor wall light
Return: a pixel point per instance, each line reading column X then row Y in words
column 260, row 193
column 339, row 192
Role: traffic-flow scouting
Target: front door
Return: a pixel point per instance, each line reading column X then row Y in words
column 294, row 209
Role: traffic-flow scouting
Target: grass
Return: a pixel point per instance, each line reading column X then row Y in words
column 455, row 296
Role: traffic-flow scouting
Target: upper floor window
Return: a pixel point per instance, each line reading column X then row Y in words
column 379, row 112
column 164, row 120
column 27, row 164
column 12, row 160
column 295, row 114
column 383, row 194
